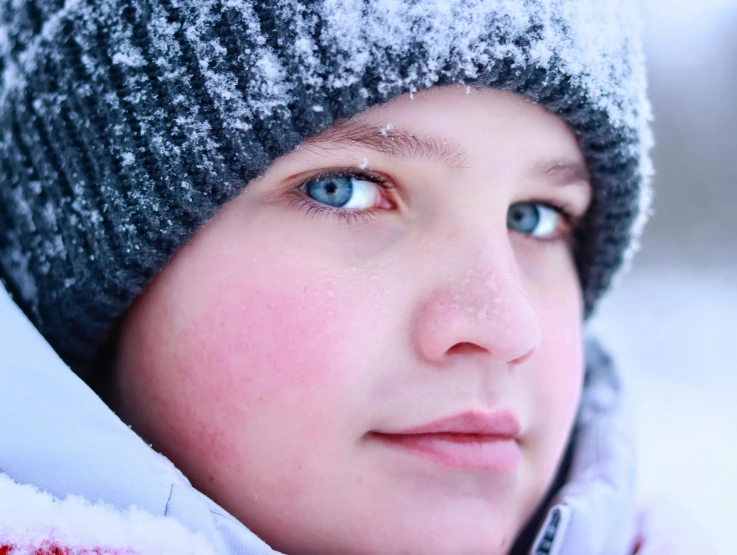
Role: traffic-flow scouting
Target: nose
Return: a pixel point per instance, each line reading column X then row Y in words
column 483, row 308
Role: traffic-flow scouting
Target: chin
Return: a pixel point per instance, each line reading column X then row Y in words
column 418, row 534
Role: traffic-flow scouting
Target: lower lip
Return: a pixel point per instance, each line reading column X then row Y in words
column 476, row 452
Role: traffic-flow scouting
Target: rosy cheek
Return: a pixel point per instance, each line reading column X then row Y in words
column 265, row 361
column 559, row 376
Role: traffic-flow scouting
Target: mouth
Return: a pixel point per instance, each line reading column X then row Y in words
column 470, row 440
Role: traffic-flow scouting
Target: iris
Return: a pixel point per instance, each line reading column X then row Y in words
column 535, row 219
column 333, row 191
column 523, row 217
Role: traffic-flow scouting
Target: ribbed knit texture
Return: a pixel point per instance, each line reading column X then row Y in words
column 125, row 125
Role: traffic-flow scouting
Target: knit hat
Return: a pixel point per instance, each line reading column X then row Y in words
column 125, row 125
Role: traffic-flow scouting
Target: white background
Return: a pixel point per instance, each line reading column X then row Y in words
column 673, row 320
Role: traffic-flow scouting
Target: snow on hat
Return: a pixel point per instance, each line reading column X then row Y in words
column 125, row 125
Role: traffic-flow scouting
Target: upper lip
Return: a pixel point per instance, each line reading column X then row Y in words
column 499, row 424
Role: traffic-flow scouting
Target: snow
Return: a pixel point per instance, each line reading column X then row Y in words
column 20, row 272
column 128, row 158
column 674, row 332
column 33, row 517
column 130, row 57
column 586, row 37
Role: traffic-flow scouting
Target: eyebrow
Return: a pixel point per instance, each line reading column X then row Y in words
column 400, row 143
column 562, row 172
column 391, row 141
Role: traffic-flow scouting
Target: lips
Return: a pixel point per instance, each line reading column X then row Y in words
column 470, row 440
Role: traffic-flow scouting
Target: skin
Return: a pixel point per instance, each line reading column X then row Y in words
column 263, row 357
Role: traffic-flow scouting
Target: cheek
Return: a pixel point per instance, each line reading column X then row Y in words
column 562, row 347
column 557, row 377
column 556, row 292
column 256, row 373
column 256, row 336
column 248, row 368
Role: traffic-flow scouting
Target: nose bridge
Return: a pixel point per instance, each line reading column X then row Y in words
column 479, row 299
column 482, row 271
column 486, row 291
column 488, row 294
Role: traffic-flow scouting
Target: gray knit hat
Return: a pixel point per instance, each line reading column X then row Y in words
column 125, row 125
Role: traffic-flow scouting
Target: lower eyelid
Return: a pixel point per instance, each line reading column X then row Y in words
column 314, row 208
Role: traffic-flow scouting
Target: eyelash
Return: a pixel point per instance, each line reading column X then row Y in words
column 313, row 208
column 350, row 217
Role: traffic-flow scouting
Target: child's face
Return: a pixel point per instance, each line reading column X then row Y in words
column 289, row 357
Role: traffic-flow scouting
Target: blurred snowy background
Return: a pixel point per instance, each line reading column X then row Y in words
column 673, row 320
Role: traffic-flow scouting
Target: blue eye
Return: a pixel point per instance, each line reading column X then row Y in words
column 533, row 218
column 343, row 192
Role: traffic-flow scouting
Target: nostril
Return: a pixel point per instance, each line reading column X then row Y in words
column 466, row 348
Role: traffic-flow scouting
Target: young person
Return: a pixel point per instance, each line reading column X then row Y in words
column 333, row 260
